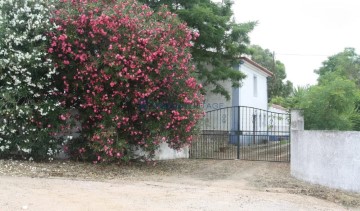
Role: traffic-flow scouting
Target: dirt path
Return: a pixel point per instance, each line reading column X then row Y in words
column 171, row 185
column 57, row 194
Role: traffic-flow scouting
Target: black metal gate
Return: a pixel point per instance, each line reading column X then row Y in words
column 243, row 133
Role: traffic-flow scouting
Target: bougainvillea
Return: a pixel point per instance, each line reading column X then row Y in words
column 128, row 72
column 28, row 109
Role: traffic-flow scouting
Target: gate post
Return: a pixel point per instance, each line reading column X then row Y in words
column 297, row 124
column 297, row 120
column 254, row 118
column 238, row 134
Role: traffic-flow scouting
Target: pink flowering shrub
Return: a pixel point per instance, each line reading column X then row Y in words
column 128, row 72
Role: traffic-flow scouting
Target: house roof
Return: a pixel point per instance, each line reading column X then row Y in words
column 278, row 107
column 261, row 68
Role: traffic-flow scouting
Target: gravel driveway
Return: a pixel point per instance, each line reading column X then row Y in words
column 169, row 185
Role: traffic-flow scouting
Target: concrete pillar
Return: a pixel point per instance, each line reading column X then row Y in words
column 297, row 128
column 297, row 120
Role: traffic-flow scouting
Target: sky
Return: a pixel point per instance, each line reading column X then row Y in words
column 302, row 33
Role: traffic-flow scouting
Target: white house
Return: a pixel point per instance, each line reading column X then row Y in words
column 246, row 111
column 246, row 117
column 277, row 114
column 252, row 93
column 251, row 96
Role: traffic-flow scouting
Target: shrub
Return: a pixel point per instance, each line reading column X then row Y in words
column 128, row 72
column 28, row 108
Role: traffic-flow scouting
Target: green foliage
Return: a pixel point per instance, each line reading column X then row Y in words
column 280, row 101
column 327, row 106
column 334, row 103
column 346, row 63
column 355, row 117
column 276, row 85
column 293, row 100
column 221, row 41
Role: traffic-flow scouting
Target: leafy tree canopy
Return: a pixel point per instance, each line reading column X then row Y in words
column 276, row 85
column 221, row 40
column 330, row 105
column 346, row 63
column 293, row 100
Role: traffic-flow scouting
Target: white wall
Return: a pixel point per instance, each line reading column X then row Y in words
column 246, row 91
column 216, row 121
column 243, row 96
column 164, row 152
column 217, row 101
column 329, row 158
column 247, row 97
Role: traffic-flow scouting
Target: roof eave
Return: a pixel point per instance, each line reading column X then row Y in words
column 263, row 69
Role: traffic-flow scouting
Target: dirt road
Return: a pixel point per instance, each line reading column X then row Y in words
column 173, row 185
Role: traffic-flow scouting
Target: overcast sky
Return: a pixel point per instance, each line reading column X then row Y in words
column 303, row 33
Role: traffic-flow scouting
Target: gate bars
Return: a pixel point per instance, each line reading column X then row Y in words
column 245, row 133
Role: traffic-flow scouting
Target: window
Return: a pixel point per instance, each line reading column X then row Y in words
column 255, row 86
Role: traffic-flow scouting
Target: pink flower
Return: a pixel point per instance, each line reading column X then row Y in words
column 137, row 59
column 196, row 34
column 112, row 83
column 83, row 57
column 62, row 37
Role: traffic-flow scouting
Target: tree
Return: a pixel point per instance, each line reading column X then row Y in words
column 276, row 85
column 128, row 71
column 355, row 118
column 326, row 106
column 346, row 63
column 330, row 105
column 221, row 41
column 294, row 99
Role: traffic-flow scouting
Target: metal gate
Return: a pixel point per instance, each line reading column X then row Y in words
column 243, row 133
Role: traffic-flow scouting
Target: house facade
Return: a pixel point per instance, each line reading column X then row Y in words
column 251, row 96
column 252, row 93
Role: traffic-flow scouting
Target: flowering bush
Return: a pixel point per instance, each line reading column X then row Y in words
column 28, row 108
column 118, row 63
